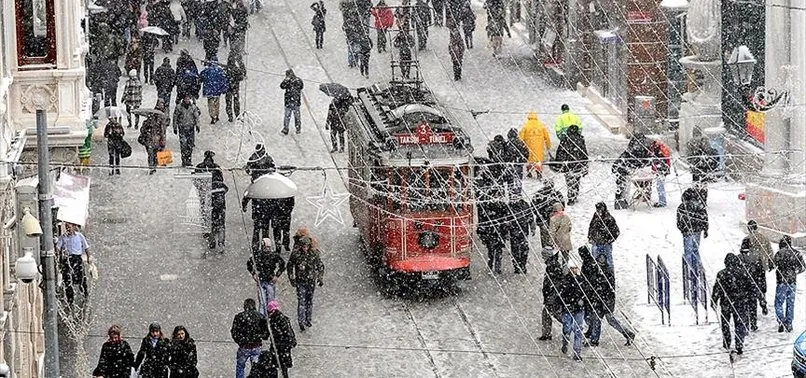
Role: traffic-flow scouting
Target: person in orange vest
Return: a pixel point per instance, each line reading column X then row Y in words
column 537, row 139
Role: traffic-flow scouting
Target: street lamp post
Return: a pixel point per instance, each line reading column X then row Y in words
column 674, row 72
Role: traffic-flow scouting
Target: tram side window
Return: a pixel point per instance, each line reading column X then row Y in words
column 417, row 190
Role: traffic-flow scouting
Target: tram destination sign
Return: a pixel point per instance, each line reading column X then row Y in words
column 424, row 135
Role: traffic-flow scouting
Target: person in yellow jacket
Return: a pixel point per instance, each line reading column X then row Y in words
column 565, row 120
column 536, row 137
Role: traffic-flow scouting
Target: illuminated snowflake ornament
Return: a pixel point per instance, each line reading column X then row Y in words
column 243, row 136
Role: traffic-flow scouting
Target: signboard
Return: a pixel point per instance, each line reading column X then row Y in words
column 754, row 125
column 636, row 17
column 424, row 135
column 71, row 194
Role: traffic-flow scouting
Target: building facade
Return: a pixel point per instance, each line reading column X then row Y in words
column 42, row 49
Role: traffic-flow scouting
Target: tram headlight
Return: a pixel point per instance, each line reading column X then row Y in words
column 428, row 239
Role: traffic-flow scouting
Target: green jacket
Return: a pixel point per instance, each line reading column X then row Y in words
column 564, row 121
column 86, row 149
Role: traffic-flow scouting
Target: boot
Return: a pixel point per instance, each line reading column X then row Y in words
column 564, row 347
column 544, row 338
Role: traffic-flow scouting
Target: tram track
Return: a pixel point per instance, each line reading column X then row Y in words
column 463, row 318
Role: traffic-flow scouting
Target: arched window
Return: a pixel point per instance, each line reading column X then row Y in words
column 36, row 32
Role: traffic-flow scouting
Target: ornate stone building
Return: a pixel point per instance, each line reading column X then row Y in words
column 42, row 49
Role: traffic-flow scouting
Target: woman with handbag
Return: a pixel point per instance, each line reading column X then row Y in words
column 183, row 354
column 113, row 132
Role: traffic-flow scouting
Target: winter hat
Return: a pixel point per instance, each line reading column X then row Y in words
column 267, row 243
column 786, row 242
column 557, row 206
column 745, row 248
column 548, row 252
column 154, row 327
column 531, row 115
column 601, row 206
column 753, row 225
column 209, row 154
column 133, row 73
column 565, row 107
column 273, row 306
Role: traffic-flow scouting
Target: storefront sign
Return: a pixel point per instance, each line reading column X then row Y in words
column 755, row 125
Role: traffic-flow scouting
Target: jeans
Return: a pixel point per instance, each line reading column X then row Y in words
column 691, row 253
column 186, row 151
column 304, row 303
column 242, row 356
column 129, row 109
column 606, row 250
column 267, row 291
column 595, row 326
column 287, row 118
column 574, row 323
column 785, row 293
column 660, row 182
column 114, row 158
column 494, row 252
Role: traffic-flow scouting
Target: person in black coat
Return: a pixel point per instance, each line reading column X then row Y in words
column 552, row 284
column 574, row 302
column 318, row 22
column 266, row 365
column 543, row 206
column 573, row 154
column 266, row 266
column 751, row 263
column 218, row 216
column 703, row 160
column 262, row 212
column 249, row 329
column 154, row 354
column 148, row 43
column 692, row 221
column 183, row 354
column 788, row 264
column 292, row 85
column 336, row 113
column 600, row 288
column 259, row 163
column 602, row 232
column 117, row 358
column 111, row 75
column 422, row 19
column 521, row 225
column 165, row 80
column 364, row 52
column 468, row 17
column 731, row 296
column 516, row 154
column 211, row 42
column 492, row 215
column 283, row 338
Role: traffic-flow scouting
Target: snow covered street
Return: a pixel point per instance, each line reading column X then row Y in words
column 151, row 269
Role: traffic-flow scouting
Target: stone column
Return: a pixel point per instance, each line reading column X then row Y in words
column 776, row 54
column 797, row 122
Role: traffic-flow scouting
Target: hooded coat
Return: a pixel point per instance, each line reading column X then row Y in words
column 733, row 287
column 692, row 217
column 760, row 245
column 164, row 78
column 305, row 267
column 516, row 150
column 536, row 137
column 603, row 228
column 116, row 360
column 552, row 279
column 543, row 203
column 186, row 123
column 260, row 163
column 183, row 356
column 751, row 263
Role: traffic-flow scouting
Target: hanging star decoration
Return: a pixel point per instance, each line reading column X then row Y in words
column 327, row 205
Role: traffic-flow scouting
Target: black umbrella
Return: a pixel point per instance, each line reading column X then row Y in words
column 335, row 90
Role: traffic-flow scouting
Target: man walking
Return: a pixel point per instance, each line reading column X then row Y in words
column 573, row 155
column 248, row 330
column 456, row 48
column 215, row 84
column 72, row 246
column 335, row 122
column 234, row 75
column 692, row 221
column 293, row 93
column 305, row 269
column 573, row 312
column 186, row 125
column 602, row 232
column 788, row 264
column 283, row 337
column 552, row 284
column 730, row 295
column 543, row 205
column 521, row 225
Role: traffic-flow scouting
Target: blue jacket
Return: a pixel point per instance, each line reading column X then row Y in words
column 215, row 81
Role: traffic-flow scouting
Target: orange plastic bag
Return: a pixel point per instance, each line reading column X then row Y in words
column 164, row 157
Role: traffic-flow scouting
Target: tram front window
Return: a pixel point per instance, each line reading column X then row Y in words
column 428, row 189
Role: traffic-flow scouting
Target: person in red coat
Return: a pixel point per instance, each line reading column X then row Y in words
column 384, row 19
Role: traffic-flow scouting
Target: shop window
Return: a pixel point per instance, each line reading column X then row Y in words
column 36, row 32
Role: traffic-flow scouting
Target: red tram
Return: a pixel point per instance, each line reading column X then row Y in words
column 410, row 180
